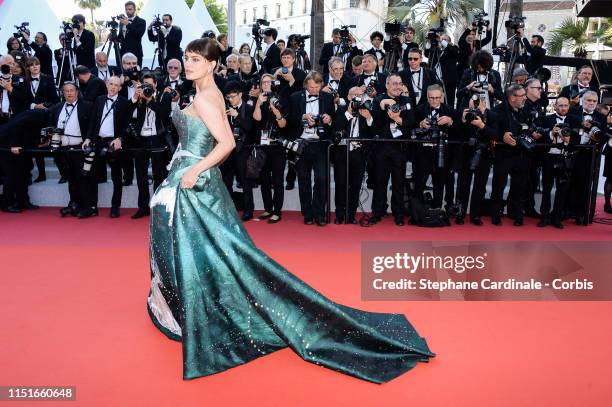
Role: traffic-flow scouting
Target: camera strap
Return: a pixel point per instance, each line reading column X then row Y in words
column 112, row 106
column 67, row 114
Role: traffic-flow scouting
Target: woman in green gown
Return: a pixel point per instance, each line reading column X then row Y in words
column 228, row 302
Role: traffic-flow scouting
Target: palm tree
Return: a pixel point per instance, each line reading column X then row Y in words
column 571, row 34
column 430, row 11
column 605, row 32
column 89, row 4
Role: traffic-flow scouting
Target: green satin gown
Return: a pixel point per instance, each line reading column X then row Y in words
column 228, row 302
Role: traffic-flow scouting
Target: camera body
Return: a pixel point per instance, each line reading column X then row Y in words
column 395, row 108
column 297, row 146
column 395, row 28
column 132, row 74
column 472, row 114
column 148, row 90
column 480, row 21
column 359, row 103
column 51, row 136
column 273, row 100
column 371, row 87
column 157, row 22
column 5, row 69
column 257, row 31
column 20, row 30
column 515, row 22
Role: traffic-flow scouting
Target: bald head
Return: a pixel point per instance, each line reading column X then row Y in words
column 101, row 59
column 113, row 85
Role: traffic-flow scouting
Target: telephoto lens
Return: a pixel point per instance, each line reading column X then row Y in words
column 285, row 70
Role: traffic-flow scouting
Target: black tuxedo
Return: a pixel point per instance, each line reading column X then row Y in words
column 85, row 52
column 469, row 76
column 84, row 110
column 534, row 57
column 110, row 70
column 131, row 40
column 418, row 97
column 45, row 56
column 285, row 91
column 406, row 51
column 379, row 54
column 327, row 52
column 182, row 86
column 297, row 104
column 45, row 93
column 170, row 43
column 94, row 88
column 272, row 59
column 448, row 66
column 18, row 98
column 343, row 86
column 380, row 81
column 465, row 52
column 121, row 111
column 574, row 89
column 244, row 80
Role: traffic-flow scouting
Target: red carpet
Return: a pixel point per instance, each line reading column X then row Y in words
column 73, row 301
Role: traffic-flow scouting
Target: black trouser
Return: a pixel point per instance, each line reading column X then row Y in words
column 272, row 179
column 533, row 179
column 291, row 171
column 515, row 164
column 40, row 164
column 356, row 172
column 16, row 169
column 61, row 164
column 450, row 90
column 128, row 163
column 229, row 171
column 389, row 160
column 90, row 184
column 313, row 159
column 159, row 161
column 480, row 176
column 424, row 164
column 73, row 161
column 579, row 185
column 558, row 175
column 247, row 184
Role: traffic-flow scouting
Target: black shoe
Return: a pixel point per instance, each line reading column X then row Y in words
column 496, row 220
column 114, row 212
column 62, row 180
column 274, row 219
column 72, row 210
column 475, row 220
column 30, row 206
column 308, row 221
column 399, row 221
column 459, row 220
column 290, row 186
column 352, row 221
column 532, row 213
column 141, row 213
column 374, row 220
column 580, row 220
column 607, row 209
column 518, row 222
column 339, row 220
column 247, row 216
column 127, row 182
column 11, row 209
column 321, row 222
column 40, row 179
column 544, row 222
column 264, row 216
column 87, row 213
column 557, row 223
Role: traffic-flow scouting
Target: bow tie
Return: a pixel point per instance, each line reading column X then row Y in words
column 69, row 104
column 334, row 81
column 582, row 86
column 312, row 97
column 560, row 117
column 35, row 79
column 587, row 113
column 413, row 72
column 111, row 99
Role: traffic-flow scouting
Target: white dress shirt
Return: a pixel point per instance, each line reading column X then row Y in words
column 312, row 107
column 69, row 121
column 107, row 127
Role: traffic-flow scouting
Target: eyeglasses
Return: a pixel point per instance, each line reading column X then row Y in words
column 520, row 96
column 413, row 59
column 434, row 97
column 174, row 67
column 535, row 87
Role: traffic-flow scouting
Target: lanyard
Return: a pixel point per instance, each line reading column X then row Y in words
column 67, row 115
column 108, row 111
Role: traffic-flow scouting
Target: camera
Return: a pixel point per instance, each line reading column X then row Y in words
column 395, row 108
column 298, row 40
column 20, row 30
column 524, row 139
column 107, row 148
column 434, row 134
column 88, row 161
column 472, row 114
column 284, row 70
column 147, row 90
column 359, row 103
column 273, row 100
column 112, row 23
column 371, row 88
column 255, row 81
column 297, row 146
column 5, row 69
column 259, row 32
column 395, row 28
column 433, row 35
column 133, row 74
column 515, row 22
column 480, row 21
column 53, row 136
column 157, row 22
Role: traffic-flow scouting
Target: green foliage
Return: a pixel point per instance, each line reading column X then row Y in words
column 572, row 34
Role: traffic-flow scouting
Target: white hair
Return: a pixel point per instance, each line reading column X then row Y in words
column 128, row 56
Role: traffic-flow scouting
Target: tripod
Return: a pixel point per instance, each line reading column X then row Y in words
column 302, row 61
column 113, row 43
column 515, row 53
column 434, row 62
column 67, row 55
column 392, row 57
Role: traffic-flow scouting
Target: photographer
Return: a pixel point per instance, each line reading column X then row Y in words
column 109, row 119
column 152, row 109
column 445, row 66
column 511, row 156
column 270, row 120
column 291, row 79
column 481, row 132
column 311, row 115
column 469, row 45
column 439, row 120
column 270, row 58
column 417, row 78
column 337, row 83
column 534, row 51
column 575, row 90
column 13, row 90
column 231, row 66
column 246, row 49
column 590, row 131
column 168, row 38
column 131, row 75
column 353, row 120
column 555, row 169
column 371, row 81
column 330, row 49
column 297, row 42
column 62, row 60
column 481, row 78
column 393, row 118
column 249, row 81
column 175, row 81
column 102, row 70
column 43, row 53
column 131, row 30
column 91, row 86
column 226, row 49
column 376, row 38
column 72, row 117
column 13, row 44
column 84, row 42
column 239, row 116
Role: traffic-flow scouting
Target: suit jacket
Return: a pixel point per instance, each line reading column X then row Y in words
column 534, row 57
column 549, row 122
column 568, row 90
column 348, row 66
column 380, row 81
column 45, row 56
column 448, row 64
column 285, row 91
column 23, row 130
column 244, row 121
column 45, row 93
column 272, row 59
column 85, row 52
column 469, row 76
column 83, row 111
column 18, row 98
column 423, row 111
column 343, row 86
column 429, row 78
column 382, row 121
column 111, row 69
column 342, row 123
column 297, row 108
column 326, row 53
column 172, row 44
column 121, row 111
column 161, row 105
column 131, row 41
column 93, row 88
column 243, row 80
